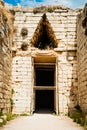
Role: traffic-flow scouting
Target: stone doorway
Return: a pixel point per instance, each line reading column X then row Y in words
column 44, row 101
column 45, row 84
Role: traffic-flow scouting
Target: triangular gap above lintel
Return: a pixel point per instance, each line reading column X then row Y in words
column 44, row 36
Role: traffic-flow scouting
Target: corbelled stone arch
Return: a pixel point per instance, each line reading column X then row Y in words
column 44, row 36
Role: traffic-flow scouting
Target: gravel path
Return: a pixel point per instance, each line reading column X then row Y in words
column 42, row 122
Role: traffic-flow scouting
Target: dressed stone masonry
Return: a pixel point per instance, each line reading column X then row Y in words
column 63, row 22
column 50, row 40
column 82, row 59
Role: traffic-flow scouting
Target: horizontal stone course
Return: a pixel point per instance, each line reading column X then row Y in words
column 82, row 58
column 5, row 59
column 71, row 79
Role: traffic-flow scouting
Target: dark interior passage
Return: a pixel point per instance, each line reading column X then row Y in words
column 44, row 100
column 44, row 76
column 46, row 36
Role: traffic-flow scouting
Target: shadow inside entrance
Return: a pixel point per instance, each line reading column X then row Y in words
column 44, row 111
column 44, row 102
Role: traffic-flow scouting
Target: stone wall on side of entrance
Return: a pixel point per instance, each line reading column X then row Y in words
column 5, row 58
column 82, row 59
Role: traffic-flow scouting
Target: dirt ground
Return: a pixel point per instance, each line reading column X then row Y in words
column 40, row 121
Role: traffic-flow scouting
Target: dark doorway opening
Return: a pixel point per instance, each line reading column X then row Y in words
column 45, row 35
column 45, row 76
column 44, row 101
column 44, row 85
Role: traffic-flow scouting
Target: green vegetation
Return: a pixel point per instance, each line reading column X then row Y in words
column 79, row 118
column 1, row 122
column 1, row 114
column 11, row 100
column 11, row 116
column 12, row 103
column 44, row 9
column 85, row 124
column 25, row 114
column 50, row 10
column 55, row 114
column 12, row 91
column 6, row 117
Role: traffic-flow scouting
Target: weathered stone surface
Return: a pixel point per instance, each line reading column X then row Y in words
column 63, row 23
column 69, row 55
column 82, row 61
column 5, row 59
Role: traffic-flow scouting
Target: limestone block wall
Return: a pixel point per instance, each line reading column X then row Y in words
column 67, row 81
column 71, row 73
column 22, row 84
column 82, row 59
column 63, row 22
column 5, row 58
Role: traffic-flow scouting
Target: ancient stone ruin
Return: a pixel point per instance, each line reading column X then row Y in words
column 43, row 59
column 6, row 29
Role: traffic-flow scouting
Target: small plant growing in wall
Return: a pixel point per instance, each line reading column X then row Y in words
column 35, row 11
column 24, row 114
column 12, row 103
column 12, row 11
column 11, row 100
column 24, row 46
column 12, row 91
column 24, row 32
column 50, row 9
column 85, row 124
